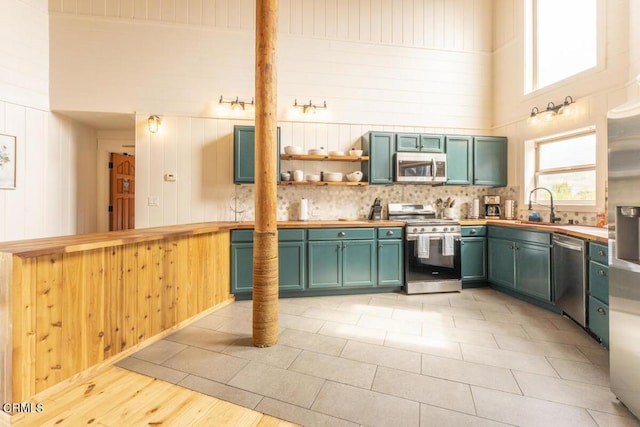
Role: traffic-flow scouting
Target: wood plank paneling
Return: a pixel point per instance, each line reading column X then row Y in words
column 49, row 321
column 401, row 22
column 72, row 311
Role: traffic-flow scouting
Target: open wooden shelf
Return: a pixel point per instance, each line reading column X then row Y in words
column 321, row 157
column 322, row 183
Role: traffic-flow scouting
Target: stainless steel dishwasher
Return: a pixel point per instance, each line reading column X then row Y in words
column 569, row 276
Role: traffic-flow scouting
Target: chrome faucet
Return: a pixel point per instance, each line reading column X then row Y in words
column 552, row 216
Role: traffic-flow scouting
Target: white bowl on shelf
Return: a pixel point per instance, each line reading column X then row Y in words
column 293, row 149
column 317, row 151
column 332, row 176
column 313, row 178
column 355, row 176
column 336, row 153
column 356, row 153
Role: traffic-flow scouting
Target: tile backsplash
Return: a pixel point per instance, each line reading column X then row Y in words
column 334, row 202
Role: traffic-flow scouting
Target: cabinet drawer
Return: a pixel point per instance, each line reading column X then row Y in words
column 530, row 236
column 291, row 235
column 390, row 233
column 287, row 235
column 477, row 231
column 599, row 253
column 599, row 281
column 341, row 233
column 241, row 236
column 599, row 319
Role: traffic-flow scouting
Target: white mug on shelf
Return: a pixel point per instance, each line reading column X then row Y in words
column 298, row 175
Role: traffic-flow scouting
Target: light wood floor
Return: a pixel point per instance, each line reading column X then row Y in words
column 118, row 397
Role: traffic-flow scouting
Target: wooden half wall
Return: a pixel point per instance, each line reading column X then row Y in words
column 65, row 312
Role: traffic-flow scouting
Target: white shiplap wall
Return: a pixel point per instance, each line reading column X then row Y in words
column 24, row 53
column 440, row 24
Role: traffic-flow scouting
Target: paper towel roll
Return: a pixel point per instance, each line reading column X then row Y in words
column 475, row 209
column 304, row 209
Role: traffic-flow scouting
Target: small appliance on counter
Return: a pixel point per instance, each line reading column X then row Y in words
column 492, row 207
column 375, row 213
column 509, row 209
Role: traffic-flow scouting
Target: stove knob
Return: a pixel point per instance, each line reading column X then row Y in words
column 434, row 229
column 422, row 229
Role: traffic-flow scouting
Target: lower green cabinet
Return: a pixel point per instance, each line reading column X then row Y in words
column 390, row 263
column 473, row 251
column 533, row 270
column 598, row 310
column 324, row 260
column 291, row 261
column 521, row 261
column 339, row 263
column 502, row 264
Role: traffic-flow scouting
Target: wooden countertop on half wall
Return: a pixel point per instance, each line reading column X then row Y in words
column 84, row 242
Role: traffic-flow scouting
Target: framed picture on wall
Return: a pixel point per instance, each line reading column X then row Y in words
column 7, row 162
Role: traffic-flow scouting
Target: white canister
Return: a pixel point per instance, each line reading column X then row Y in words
column 509, row 209
column 304, row 210
column 298, row 175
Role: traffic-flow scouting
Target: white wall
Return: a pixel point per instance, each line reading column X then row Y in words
column 595, row 91
column 408, row 65
column 55, row 176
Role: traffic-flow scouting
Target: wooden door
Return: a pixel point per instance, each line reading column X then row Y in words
column 122, row 170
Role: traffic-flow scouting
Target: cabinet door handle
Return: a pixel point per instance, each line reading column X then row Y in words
column 601, row 310
column 601, row 252
column 601, row 272
column 390, row 233
column 379, row 245
column 473, row 231
column 342, row 234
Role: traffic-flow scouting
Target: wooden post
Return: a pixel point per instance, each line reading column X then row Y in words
column 265, row 249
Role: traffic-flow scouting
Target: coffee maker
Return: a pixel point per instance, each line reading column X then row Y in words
column 492, row 207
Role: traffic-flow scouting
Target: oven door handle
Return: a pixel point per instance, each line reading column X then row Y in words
column 433, row 236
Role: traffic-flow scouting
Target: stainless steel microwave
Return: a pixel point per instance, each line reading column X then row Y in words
column 421, row 168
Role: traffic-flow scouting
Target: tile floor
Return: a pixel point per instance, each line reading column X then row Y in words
column 474, row 358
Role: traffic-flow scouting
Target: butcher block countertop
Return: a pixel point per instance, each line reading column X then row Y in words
column 581, row 231
column 83, row 242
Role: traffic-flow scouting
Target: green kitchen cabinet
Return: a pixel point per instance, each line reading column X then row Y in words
column 342, row 257
column 533, row 270
column 390, row 256
column 291, row 260
column 380, row 147
column 420, row 142
column 502, row 264
column 490, row 161
column 520, row 260
column 598, row 291
column 459, row 160
column 473, row 253
column 244, row 155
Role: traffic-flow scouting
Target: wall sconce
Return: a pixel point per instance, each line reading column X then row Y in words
column 154, row 123
column 551, row 111
column 310, row 107
column 236, row 104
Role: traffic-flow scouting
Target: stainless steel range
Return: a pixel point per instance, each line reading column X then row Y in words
column 432, row 249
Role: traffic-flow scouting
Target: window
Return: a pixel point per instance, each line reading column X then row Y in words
column 566, row 165
column 561, row 40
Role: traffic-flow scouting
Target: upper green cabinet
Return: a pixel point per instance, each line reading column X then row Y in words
column 421, row 142
column 490, row 161
column 459, row 160
column 244, row 154
column 479, row 160
column 380, row 147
